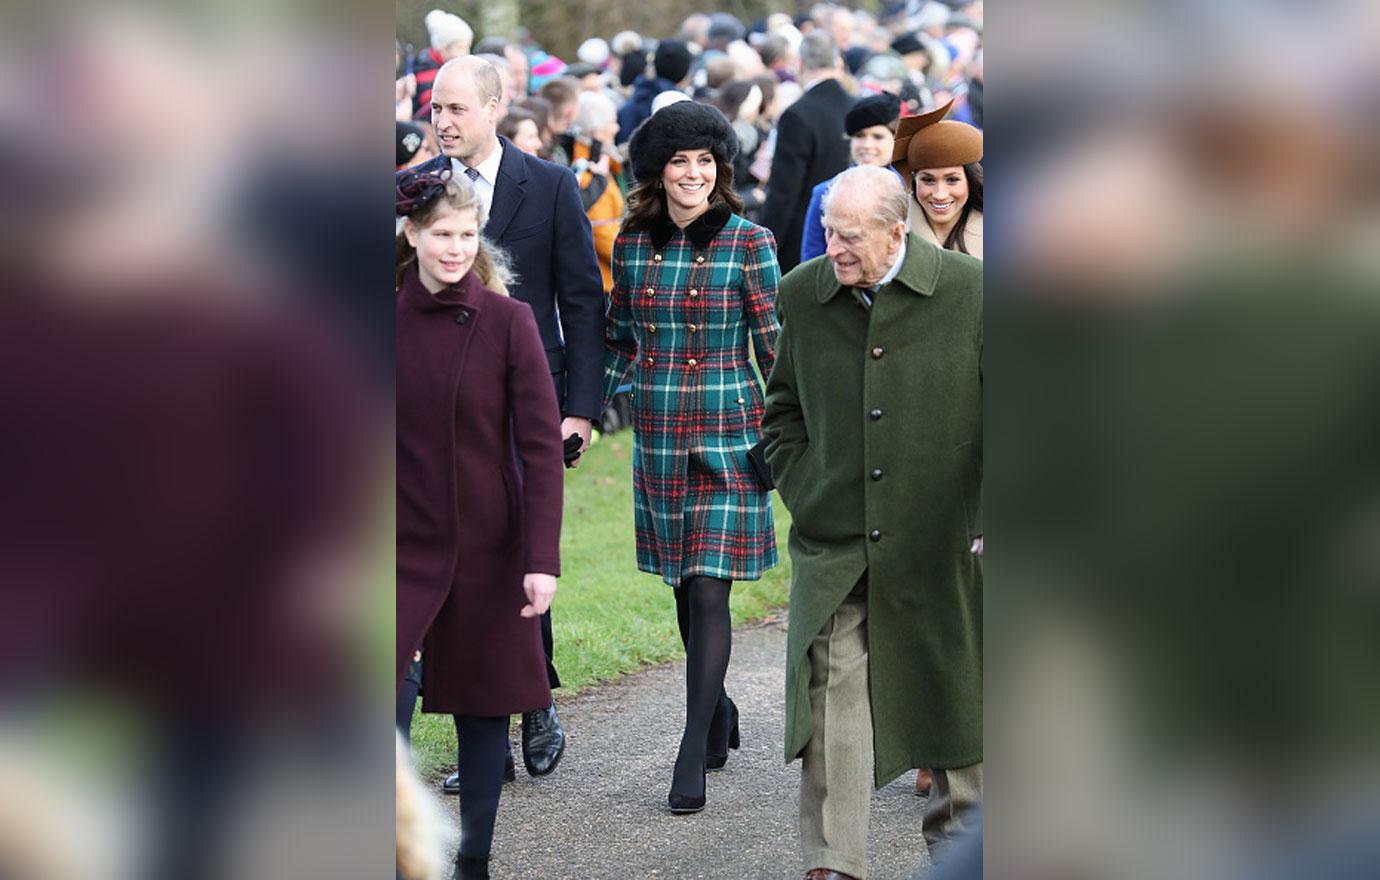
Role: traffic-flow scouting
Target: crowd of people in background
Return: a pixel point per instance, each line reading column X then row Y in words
column 927, row 54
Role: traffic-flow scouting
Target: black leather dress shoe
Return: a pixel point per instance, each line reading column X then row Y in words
column 543, row 740
column 451, row 785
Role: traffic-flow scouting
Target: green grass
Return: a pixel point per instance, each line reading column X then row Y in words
column 608, row 618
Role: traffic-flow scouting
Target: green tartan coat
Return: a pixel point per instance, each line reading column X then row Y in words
column 874, row 432
column 681, row 310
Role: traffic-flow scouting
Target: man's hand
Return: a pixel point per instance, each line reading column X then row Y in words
column 577, row 425
column 976, row 549
column 540, row 588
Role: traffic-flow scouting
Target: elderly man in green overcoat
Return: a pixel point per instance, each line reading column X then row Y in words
column 874, row 432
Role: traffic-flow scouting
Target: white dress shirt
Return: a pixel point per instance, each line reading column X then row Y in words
column 488, row 176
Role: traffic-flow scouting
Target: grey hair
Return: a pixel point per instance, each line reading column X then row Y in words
column 596, row 111
column 879, row 188
column 818, row 52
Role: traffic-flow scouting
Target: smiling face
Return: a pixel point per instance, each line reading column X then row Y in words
column 942, row 192
column 446, row 247
column 860, row 248
column 689, row 180
column 872, row 146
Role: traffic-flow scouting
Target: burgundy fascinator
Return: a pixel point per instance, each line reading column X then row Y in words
column 417, row 190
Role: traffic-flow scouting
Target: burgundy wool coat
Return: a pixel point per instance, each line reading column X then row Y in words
column 479, row 483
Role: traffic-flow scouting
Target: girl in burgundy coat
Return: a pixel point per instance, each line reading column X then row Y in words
column 479, row 489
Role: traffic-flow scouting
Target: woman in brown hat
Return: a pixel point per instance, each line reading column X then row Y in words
column 941, row 159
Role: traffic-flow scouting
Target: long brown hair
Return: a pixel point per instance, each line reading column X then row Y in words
column 491, row 264
column 647, row 203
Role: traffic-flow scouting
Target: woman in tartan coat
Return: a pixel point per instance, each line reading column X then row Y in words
column 692, row 280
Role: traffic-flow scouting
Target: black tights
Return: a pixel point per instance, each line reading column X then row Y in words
column 483, row 743
column 706, row 629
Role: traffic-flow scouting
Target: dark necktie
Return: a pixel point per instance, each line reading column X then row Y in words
column 472, row 174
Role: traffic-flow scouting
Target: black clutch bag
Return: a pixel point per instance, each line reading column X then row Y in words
column 757, row 459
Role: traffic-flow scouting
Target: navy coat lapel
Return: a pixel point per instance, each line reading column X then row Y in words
column 508, row 191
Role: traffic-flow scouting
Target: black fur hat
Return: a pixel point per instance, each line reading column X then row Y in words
column 684, row 125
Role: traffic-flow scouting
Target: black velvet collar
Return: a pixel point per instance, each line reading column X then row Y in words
column 700, row 231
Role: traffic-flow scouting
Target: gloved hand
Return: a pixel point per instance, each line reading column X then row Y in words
column 572, row 449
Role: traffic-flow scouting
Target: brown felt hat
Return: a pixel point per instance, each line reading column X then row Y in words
column 930, row 141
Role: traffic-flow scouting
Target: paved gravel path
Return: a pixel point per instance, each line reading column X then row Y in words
column 603, row 814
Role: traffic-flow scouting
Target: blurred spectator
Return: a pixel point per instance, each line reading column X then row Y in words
column 746, row 60
column 810, row 146
column 694, row 32
column 871, row 127
column 589, row 77
column 631, row 65
column 450, row 38
column 724, row 28
column 520, row 126
column 854, row 58
column 667, row 98
column 719, row 70
column 404, row 97
column 596, row 122
column 887, row 73
column 562, row 94
column 518, row 65
column 741, row 102
column 540, row 108
column 778, row 56
column 975, row 90
column 544, row 68
column 415, row 145
column 670, row 67
column 840, row 25
column 624, row 42
column 878, row 40
column 932, row 18
column 593, row 51
column 505, row 76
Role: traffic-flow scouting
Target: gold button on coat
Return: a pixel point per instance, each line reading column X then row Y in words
column 694, row 292
column 693, row 328
column 693, row 362
column 651, row 328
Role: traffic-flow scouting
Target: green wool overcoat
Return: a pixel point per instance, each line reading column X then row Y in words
column 874, row 430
